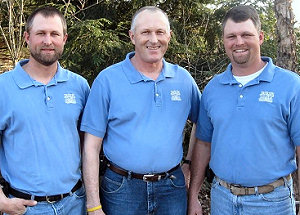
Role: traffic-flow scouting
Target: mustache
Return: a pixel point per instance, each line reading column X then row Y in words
column 47, row 47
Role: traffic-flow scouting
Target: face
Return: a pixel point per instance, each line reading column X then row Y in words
column 46, row 39
column 242, row 42
column 150, row 36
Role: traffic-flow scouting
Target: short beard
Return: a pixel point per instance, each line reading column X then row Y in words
column 241, row 60
column 46, row 60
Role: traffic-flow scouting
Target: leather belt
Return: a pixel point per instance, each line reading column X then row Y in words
column 145, row 177
column 241, row 191
column 49, row 199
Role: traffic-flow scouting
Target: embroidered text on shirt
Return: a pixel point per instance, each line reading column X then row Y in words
column 266, row 96
column 175, row 95
column 70, row 98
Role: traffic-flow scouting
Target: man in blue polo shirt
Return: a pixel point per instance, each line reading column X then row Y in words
column 249, row 129
column 40, row 108
column 138, row 108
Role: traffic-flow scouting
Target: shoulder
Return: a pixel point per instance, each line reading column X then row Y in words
column 111, row 71
column 5, row 75
column 286, row 78
column 177, row 71
column 7, row 86
column 73, row 76
column 75, row 80
column 281, row 72
column 215, row 80
column 6, row 78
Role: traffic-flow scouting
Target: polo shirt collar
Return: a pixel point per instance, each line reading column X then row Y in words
column 134, row 76
column 266, row 75
column 23, row 80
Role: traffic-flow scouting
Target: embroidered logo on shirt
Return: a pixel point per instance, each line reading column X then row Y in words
column 70, row 98
column 175, row 95
column 266, row 96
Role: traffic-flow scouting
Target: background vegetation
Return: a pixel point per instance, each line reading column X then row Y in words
column 98, row 33
column 98, row 36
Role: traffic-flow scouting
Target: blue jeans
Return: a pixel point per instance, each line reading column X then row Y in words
column 278, row 202
column 130, row 196
column 73, row 204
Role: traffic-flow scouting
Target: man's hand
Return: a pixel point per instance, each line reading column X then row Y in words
column 195, row 207
column 187, row 174
column 15, row 206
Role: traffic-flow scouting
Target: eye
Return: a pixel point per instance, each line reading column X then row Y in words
column 230, row 37
column 145, row 32
column 247, row 35
column 160, row 32
column 55, row 34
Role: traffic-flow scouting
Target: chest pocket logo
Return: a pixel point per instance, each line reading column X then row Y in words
column 70, row 98
column 266, row 96
column 175, row 95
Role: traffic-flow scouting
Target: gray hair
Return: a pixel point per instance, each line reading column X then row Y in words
column 152, row 9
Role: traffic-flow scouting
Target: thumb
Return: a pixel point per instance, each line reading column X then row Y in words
column 29, row 202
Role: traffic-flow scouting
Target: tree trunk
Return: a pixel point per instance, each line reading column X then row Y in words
column 286, row 54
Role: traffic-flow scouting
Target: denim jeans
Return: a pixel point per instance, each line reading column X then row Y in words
column 130, row 196
column 278, row 202
column 73, row 204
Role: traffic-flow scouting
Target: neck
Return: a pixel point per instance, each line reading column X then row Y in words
column 40, row 72
column 244, row 70
column 150, row 70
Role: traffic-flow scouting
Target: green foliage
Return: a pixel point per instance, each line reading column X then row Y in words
column 98, row 33
column 93, row 46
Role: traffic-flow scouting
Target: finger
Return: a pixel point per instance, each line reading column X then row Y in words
column 29, row 202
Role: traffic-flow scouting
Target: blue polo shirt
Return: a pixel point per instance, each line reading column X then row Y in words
column 253, row 129
column 141, row 120
column 40, row 150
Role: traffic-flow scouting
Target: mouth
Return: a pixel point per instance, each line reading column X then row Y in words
column 153, row 47
column 240, row 51
column 48, row 51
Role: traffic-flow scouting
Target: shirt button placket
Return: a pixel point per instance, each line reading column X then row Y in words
column 241, row 96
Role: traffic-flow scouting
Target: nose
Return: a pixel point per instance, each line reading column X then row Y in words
column 153, row 38
column 239, row 40
column 47, row 39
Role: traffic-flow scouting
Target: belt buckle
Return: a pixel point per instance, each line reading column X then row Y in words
column 235, row 189
column 145, row 177
column 51, row 202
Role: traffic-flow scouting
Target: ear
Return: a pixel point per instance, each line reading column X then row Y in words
column 26, row 37
column 131, row 35
column 171, row 33
column 261, row 37
column 65, row 38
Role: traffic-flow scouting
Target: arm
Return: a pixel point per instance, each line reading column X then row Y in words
column 298, row 164
column 200, row 159
column 186, row 167
column 90, row 169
